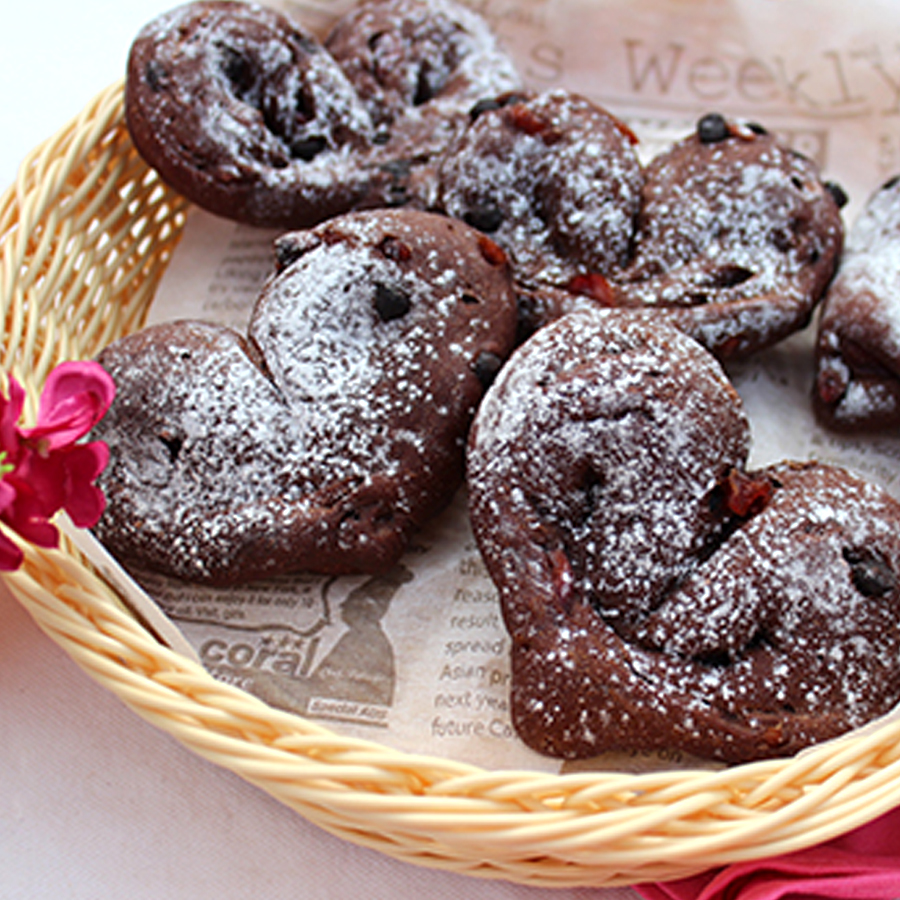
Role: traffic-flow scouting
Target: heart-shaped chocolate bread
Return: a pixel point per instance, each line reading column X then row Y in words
column 337, row 426
column 858, row 344
column 657, row 594
column 729, row 234
column 246, row 113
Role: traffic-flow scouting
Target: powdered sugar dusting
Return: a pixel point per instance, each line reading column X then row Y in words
column 338, row 428
column 644, row 612
column 564, row 177
column 603, row 435
column 859, row 332
column 741, row 233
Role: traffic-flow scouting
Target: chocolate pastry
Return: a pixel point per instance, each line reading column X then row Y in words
column 553, row 179
column 737, row 236
column 729, row 235
column 858, row 346
column 658, row 595
column 419, row 67
column 249, row 116
column 324, row 437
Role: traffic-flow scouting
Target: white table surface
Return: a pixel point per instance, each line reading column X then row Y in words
column 95, row 803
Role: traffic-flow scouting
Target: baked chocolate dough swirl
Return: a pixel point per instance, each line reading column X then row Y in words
column 248, row 115
column 322, row 438
column 858, row 342
column 657, row 594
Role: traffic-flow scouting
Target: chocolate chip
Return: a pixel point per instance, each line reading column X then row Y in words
column 486, row 367
column 838, row 193
column 781, row 239
column 487, row 217
column 290, row 247
column 891, row 182
column 156, row 75
column 173, row 445
column 308, row 45
column 756, row 128
column 512, row 98
column 236, row 68
column 870, row 572
column 398, row 196
column 308, row 148
column 397, row 168
column 424, row 88
column 712, row 128
column 483, row 106
column 391, row 302
column 304, row 105
column 470, row 299
column 729, row 275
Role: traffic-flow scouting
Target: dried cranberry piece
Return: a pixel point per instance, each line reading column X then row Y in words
column 746, row 495
column 525, row 120
column 395, row 249
column 594, row 285
column 492, row 252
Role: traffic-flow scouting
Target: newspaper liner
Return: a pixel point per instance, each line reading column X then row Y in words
column 418, row 659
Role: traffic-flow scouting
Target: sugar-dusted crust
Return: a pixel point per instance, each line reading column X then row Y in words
column 249, row 116
column 858, row 345
column 657, row 594
column 419, row 67
column 327, row 435
column 729, row 235
column 737, row 236
column 554, row 179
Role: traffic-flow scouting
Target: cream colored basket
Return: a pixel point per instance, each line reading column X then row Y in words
column 86, row 233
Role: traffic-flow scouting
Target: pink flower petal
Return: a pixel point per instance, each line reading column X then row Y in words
column 7, row 496
column 11, row 556
column 31, row 524
column 39, row 482
column 75, row 397
column 10, row 410
column 84, row 502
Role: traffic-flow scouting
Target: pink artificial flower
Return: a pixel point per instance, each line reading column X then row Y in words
column 10, row 554
column 75, row 397
column 44, row 469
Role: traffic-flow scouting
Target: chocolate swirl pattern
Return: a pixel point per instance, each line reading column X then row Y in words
column 858, row 342
column 321, row 439
column 659, row 595
column 248, row 115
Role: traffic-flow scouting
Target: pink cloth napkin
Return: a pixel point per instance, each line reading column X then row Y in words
column 861, row 865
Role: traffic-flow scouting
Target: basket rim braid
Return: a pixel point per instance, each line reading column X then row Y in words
column 85, row 234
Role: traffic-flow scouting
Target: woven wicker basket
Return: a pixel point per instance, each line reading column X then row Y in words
column 86, row 233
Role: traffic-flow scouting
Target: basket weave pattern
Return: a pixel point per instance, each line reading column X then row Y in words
column 85, row 234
